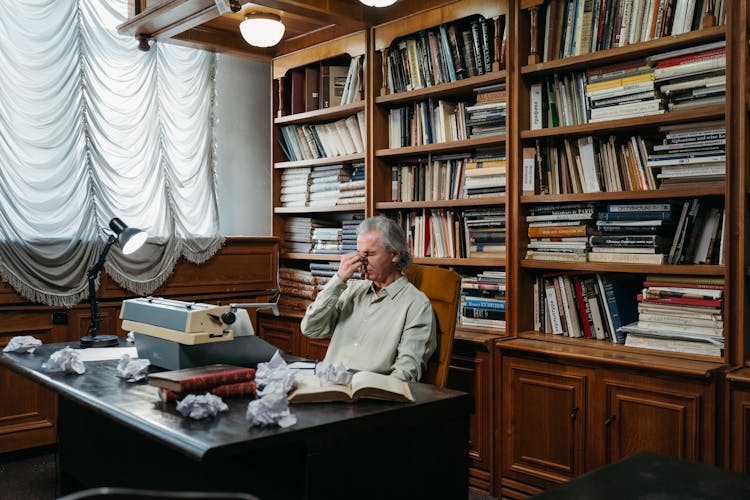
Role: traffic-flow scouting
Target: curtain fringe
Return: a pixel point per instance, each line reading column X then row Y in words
column 33, row 295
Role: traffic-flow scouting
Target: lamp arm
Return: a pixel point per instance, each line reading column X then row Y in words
column 92, row 274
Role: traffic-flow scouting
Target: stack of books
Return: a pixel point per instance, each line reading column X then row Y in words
column 560, row 231
column 632, row 233
column 327, row 240
column 681, row 314
column 323, row 272
column 622, row 90
column 324, row 184
column 488, row 115
column 485, row 175
column 691, row 155
column 349, row 232
column 483, row 300
column 353, row 190
column 297, row 283
column 298, row 233
column 295, row 187
column 484, row 230
column 219, row 379
column 693, row 76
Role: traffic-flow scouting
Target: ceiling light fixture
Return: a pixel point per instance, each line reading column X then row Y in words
column 378, row 3
column 261, row 29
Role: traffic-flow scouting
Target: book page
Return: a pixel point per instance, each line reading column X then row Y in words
column 310, row 390
column 377, row 385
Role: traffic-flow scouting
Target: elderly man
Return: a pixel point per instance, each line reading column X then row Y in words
column 381, row 323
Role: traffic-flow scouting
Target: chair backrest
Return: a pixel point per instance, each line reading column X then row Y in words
column 442, row 287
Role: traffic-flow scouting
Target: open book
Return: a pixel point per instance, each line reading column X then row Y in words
column 364, row 385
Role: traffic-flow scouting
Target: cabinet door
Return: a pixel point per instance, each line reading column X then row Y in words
column 282, row 332
column 28, row 413
column 470, row 372
column 739, row 438
column 656, row 414
column 315, row 348
column 543, row 420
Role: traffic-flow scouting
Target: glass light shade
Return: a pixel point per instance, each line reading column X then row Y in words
column 378, row 3
column 261, row 29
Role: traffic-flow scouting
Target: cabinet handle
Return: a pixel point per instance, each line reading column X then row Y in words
column 610, row 419
column 574, row 413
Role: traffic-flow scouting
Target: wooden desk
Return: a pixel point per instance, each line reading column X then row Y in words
column 651, row 476
column 115, row 433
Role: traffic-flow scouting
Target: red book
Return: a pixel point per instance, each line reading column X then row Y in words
column 685, row 301
column 201, row 378
column 691, row 58
column 223, row 391
column 583, row 306
column 679, row 284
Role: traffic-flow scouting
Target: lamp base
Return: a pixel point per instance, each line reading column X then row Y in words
column 100, row 341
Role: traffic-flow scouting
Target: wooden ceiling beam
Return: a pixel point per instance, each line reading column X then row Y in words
column 169, row 18
column 340, row 12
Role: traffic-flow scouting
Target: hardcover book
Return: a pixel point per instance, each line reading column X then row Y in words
column 201, row 378
column 364, row 384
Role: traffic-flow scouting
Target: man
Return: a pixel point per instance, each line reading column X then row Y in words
column 381, row 323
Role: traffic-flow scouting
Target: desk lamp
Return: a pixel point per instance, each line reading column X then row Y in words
column 130, row 239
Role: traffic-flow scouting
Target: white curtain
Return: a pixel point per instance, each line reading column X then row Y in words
column 92, row 128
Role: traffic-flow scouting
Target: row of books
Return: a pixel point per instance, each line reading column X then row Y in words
column 324, row 85
column 688, row 155
column 322, row 186
column 324, row 140
column 680, row 79
column 679, row 314
column 444, row 54
column 449, row 177
column 445, row 233
column 575, row 27
column 482, row 300
column 672, row 232
column 584, row 305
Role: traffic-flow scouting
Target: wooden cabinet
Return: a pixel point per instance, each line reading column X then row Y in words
column 471, row 370
column 566, row 413
column 243, row 271
column 737, row 433
column 284, row 332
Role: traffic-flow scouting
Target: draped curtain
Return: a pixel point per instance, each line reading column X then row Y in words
column 90, row 129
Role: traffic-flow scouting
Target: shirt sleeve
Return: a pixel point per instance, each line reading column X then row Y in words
column 417, row 343
column 322, row 315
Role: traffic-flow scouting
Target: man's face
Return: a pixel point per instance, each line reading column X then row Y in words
column 377, row 262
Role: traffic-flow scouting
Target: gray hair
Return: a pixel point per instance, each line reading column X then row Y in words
column 392, row 237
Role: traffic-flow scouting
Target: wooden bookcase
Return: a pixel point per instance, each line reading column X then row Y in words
column 569, row 405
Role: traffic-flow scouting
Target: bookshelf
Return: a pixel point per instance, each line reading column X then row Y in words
column 592, row 394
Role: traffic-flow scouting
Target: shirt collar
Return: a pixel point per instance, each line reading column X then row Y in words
column 391, row 290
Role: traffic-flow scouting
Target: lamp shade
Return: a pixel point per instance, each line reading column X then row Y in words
column 378, row 3
column 261, row 29
column 130, row 238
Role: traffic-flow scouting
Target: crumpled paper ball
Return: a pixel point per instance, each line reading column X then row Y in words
column 201, row 406
column 65, row 360
column 275, row 377
column 22, row 344
column 271, row 409
column 130, row 337
column 333, row 373
column 132, row 369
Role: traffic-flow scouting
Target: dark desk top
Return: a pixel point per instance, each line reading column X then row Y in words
column 651, row 476
column 137, row 406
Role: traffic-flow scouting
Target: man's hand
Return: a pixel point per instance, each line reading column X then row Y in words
column 350, row 264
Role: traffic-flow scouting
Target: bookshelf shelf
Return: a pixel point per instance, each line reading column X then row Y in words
column 622, row 195
column 474, row 202
column 442, row 147
column 321, row 115
column 354, row 207
column 634, row 51
column 627, row 124
column 616, row 267
column 581, row 348
column 333, row 160
column 452, row 89
column 436, row 261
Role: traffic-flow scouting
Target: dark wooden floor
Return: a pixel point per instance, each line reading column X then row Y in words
column 32, row 475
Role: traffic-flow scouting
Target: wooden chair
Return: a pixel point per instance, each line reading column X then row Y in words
column 442, row 287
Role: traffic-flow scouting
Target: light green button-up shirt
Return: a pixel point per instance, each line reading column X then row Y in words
column 392, row 334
